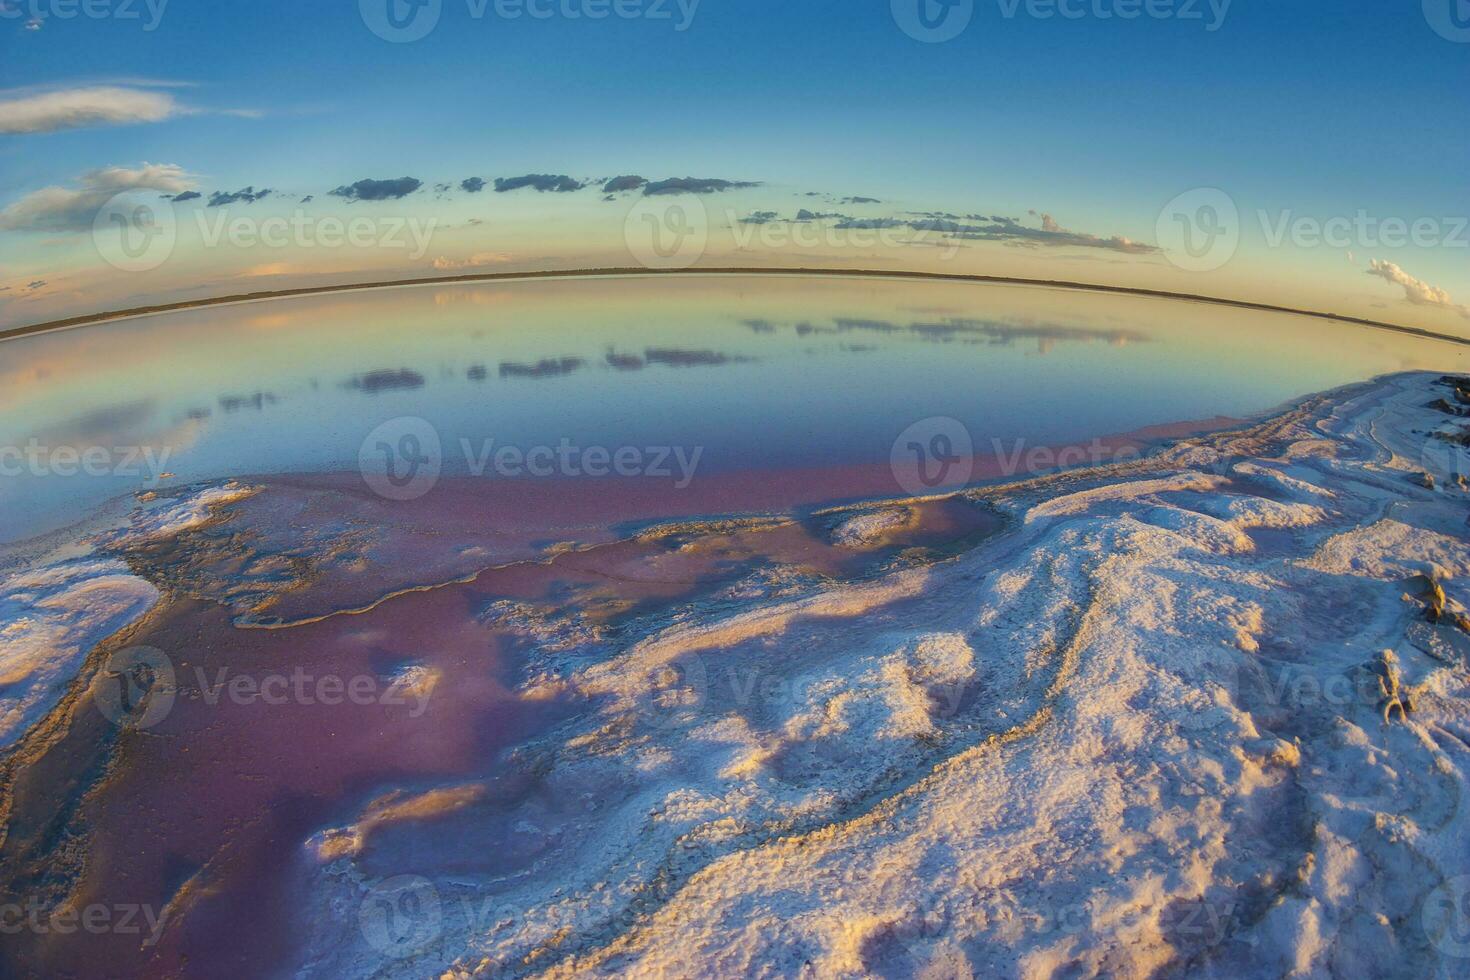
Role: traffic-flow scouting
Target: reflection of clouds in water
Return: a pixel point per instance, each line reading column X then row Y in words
column 470, row 297
column 387, row 379
column 973, row 331
column 624, row 362
column 274, row 321
column 995, row 331
column 680, row 357
column 106, row 424
column 677, row 357
column 257, row 401
column 551, row 367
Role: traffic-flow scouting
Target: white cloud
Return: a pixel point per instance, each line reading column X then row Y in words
column 72, row 108
column 75, row 208
column 1416, row 291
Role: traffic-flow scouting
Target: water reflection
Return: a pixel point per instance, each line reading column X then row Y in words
column 756, row 370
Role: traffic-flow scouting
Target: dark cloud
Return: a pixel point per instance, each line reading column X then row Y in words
column 308, row 199
column 694, row 185
column 759, row 218
column 472, row 185
column 35, row 284
column 870, row 224
column 546, row 368
column 630, row 182
column 245, row 195
column 995, row 228
column 185, row 196
column 759, row 326
column 558, row 183
column 442, row 188
column 379, row 190
column 477, row 372
column 805, row 215
column 374, row 382
column 859, row 200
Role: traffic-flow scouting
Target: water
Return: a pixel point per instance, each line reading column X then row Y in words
column 756, row 372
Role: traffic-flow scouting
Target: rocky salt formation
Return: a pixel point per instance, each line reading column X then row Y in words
column 1198, row 714
column 58, row 603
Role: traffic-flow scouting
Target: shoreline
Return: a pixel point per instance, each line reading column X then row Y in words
column 1184, row 514
column 236, row 298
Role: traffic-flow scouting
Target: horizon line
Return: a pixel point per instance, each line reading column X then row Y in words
column 161, row 308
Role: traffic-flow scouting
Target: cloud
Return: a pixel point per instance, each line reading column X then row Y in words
column 53, row 209
column 97, row 106
column 694, row 185
column 759, row 218
column 630, row 182
column 559, row 183
column 248, row 195
column 1416, row 291
column 378, row 190
column 872, row 223
column 994, row 228
column 186, row 196
column 859, row 200
column 472, row 185
column 475, row 261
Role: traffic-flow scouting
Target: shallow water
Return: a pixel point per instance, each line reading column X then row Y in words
column 751, row 373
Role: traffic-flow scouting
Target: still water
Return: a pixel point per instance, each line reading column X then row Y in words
column 753, row 372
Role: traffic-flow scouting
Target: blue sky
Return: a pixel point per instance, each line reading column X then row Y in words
column 1321, row 110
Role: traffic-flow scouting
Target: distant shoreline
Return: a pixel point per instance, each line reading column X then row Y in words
column 95, row 318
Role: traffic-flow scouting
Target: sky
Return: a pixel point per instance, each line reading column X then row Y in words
column 1296, row 154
